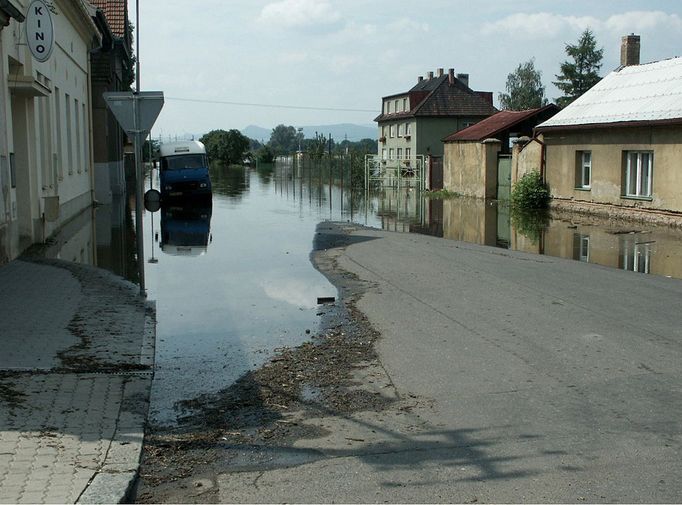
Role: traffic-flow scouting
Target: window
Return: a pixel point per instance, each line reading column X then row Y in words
column 635, row 256
column 69, row 132
column 390, row 153
column 383, row 154
column 583, row 173
column 58, row 119
column 408, row 128
column 405, row 104
column 408, row 152
column 400, row 130
column 638, row 173
column 388, row 107
column 396, row 105
column 581, row 247
column 400, row 153
column 392, row 130
column 86, row 147
column 383, row 131
column 79, row 152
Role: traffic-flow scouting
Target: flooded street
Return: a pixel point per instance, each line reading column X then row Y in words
column 232, row 278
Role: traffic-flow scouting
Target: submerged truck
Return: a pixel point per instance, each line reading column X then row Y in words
column 184, row 170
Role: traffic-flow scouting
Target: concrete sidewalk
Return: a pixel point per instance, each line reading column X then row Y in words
column 75, row 376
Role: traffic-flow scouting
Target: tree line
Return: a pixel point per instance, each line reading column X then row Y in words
column 576, row 75
column 232, row 147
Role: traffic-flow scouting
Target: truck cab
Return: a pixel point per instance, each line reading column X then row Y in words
column 184, row 170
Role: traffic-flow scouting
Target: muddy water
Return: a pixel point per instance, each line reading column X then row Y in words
column 233, row 282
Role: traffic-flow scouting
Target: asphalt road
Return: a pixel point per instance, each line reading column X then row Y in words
column 514, row 378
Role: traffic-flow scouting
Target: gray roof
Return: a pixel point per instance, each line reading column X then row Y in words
column 639, row 93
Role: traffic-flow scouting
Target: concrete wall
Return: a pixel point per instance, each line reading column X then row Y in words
column 608, row 147
column 526, row 157
column 470, row 168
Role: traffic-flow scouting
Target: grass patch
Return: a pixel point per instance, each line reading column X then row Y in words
column 442, row 194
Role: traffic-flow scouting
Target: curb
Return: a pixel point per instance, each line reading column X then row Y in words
column 116, row 479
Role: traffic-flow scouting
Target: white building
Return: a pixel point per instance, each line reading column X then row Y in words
column 46, row 178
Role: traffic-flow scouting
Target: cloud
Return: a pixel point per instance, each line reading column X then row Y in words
column 541, row 25
column 545, row 25
column 298, row 13
column 641, row 21
column 405, row 24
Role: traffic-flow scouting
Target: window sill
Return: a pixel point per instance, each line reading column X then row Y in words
column 641, row 198
column 586, row 188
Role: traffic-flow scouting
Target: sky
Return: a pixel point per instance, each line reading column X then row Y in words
column 317, row 62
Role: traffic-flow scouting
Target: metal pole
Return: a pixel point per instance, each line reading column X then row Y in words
column 138, row 141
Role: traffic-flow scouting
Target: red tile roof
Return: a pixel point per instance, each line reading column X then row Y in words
column 503, row 120
column 437, row 98
column 116, row 13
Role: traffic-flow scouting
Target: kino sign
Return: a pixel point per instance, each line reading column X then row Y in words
column 39, row 30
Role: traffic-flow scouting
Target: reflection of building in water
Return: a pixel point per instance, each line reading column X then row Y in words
column 476, row 220
column 116, row 238
column 186, row 228
column 656, row 251
column 400, row 209
column 635, row 255
column 75, row 241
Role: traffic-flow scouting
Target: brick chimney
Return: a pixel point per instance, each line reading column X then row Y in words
column 451, row 76
column 629, row 50
column 464, row 78
column 440, row 72
column 430, row 75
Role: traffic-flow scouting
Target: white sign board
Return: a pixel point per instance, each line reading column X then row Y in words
column 39, row 30
column 123, row 104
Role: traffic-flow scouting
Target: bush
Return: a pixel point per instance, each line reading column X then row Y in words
column 530, row 192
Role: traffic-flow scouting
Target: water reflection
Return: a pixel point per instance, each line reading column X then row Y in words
column 234, row 281
column 186, row 227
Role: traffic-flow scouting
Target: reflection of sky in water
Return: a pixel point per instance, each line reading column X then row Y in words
column 223, row 313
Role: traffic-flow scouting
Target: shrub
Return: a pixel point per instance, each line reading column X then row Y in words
column 530, row 192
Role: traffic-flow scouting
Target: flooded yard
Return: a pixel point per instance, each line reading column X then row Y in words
column 232, row 278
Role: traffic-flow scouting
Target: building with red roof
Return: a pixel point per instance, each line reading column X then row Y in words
column 477, row 160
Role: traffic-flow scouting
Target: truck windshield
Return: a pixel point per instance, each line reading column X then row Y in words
column 184, row 161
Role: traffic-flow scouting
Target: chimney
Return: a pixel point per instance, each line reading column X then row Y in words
column 629, row 50
column 430, row 75
column 420, row 79
column 440, row 72
column 464, row 78
column 451, row 76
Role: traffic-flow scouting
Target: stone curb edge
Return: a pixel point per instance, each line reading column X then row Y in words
column 116, row 479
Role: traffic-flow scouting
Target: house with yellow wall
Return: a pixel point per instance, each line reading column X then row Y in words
column 620, row 144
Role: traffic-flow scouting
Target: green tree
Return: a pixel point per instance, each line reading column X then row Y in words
column 524, row 88
column 582, row 73
column 284, row 139
column 225, row 146
column 150, row 148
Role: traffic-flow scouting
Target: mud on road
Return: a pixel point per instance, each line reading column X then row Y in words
column 266, row 410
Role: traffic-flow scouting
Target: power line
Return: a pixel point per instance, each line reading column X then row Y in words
column 265, row 105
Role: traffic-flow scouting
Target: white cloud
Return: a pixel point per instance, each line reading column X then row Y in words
column 298, row 13
column 640, row 21
column 541, row 25
column 404, row 25
column 545, row 25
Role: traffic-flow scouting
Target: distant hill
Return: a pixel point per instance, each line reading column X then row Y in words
column 354, row 132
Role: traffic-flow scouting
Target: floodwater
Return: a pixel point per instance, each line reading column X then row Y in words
column 233, row 282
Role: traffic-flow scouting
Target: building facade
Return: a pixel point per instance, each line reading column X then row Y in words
column 621, row 142
column 414, row 123
column 112, row 70
column 47, row 121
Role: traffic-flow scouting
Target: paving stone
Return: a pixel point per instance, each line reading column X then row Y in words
column 56, row 426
